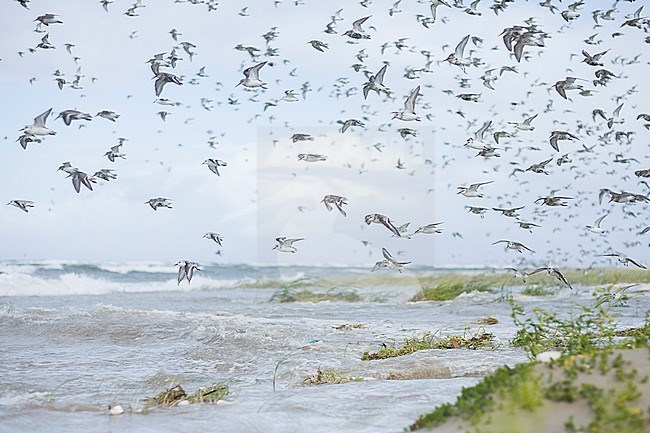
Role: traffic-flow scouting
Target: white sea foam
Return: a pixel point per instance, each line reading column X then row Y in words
column 19, row 284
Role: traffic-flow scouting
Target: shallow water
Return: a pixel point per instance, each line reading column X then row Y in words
column 119, row 336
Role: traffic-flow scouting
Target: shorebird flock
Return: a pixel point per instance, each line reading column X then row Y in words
column 514, row 131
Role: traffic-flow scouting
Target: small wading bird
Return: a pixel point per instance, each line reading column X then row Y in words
column 376, row 83
column 624, row 260
column 22, row 204
column 252, row 77
column 382, row 219
column 554, row 273
column 214, row 164
column 286, row 245
column 163, row 78
column 357, row 32
column 38, row 127
column 408, row 114
column 186, row 270
column 214, row 237
column 512, row 245
column 519, row 274
column 472, row 190
column 157, row 202
column 335, row 200
column 389, row 262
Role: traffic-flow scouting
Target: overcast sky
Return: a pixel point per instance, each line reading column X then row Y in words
column 265, row 191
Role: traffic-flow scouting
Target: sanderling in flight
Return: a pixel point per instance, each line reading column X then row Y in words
column 79, row 178
column 472, row 190
column 511, row 212
column 571, row 13
column 569, row 83
column 157, row 202
column 519, row 274
column 214, row 164
column 540, row 168
column 403, row 231
column 408, row 113
column 429, row 229
column 477, row 210
column 512, row 245
column 527, row 225
column 39, row 128
column 25, row 139
column 526, row 124
column 214, row 237
column 186, row 270
column 456, row 58
column 350, row 122
column 114, row 153
column 553, row 200
column 286, row 245
column 163, row 78
column 615, row 295
column 616, row 117
column 434, row 6
column 104, row 174
column 357, row 32
column 109, row 115
column 301, row 137
column 560, row 135
column 624, row 260
column 335, row 200
column 318, row 45
column 45, row 43
column 596, row 227
column 389, row 262
column 289, row 96
column 311, row 157
column 252, row 77
column 376, row 83
column 593, row 60
column 477, row 142
column 69, row 115
column 22, row 204
column 48, row 19
column 554, row 273
column 471, row 10
column 382, row 219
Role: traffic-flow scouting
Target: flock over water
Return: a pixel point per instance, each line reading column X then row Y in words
column 551, row 107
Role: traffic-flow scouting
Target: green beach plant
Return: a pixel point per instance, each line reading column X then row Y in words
column 469, row 340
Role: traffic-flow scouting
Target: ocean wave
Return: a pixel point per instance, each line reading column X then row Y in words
column 19, row 284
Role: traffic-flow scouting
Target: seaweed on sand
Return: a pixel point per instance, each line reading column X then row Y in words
column 479, row 340
column 322, row 377
column 176, row 395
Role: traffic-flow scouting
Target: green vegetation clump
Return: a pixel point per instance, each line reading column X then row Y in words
column 322, row 377
column 610, row 391
column 584, row 333
column 595, row 369
column 176, row 394
column 535, row 290
column 474, row 402
column 304, row 295
column 448, row 291
column 480, row 340
column 589, row 331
